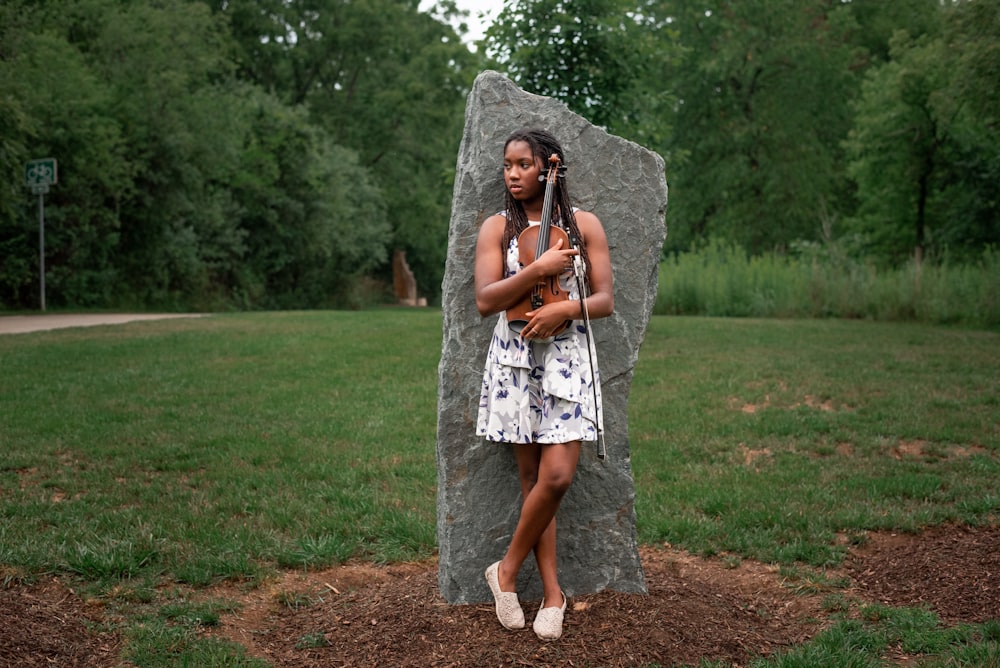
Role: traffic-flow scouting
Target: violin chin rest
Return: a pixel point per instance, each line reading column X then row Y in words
column 517, row 326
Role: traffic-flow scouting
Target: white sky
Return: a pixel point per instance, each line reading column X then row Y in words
column 477, row 26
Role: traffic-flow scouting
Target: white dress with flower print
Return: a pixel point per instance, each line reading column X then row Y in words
column 538, row 391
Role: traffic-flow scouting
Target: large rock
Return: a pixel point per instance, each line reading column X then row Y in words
column 478, row 492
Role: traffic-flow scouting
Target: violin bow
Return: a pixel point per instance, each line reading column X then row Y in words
column 602, row 450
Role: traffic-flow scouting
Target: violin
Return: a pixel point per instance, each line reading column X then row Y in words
column 531, row 244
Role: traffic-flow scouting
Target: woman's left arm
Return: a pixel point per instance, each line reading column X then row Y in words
column 601, row 302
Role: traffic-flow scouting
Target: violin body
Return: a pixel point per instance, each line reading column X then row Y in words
column 550, row 290
column 531, row 244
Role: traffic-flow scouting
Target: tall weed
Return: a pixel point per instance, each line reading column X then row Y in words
column 720, row 279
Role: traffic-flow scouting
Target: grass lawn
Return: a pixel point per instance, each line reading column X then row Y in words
column 188, row 451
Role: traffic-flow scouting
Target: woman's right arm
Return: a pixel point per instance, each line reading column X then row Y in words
column 493, row 292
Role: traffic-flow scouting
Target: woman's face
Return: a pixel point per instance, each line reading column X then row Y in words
column 521, row 170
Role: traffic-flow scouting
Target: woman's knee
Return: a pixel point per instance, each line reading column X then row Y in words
column 557, row 479
column 559, row 467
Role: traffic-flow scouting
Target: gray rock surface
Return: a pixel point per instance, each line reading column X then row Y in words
column 478, row 492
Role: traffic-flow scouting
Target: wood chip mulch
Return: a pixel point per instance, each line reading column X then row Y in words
column 696, row 609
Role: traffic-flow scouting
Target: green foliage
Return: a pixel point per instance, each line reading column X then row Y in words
column 242, row 200
column 971, row 35
column 271, row 154
column 902, row 126
column 809, row 121
column 313, row 219
column 597, row 56
column 400, row 112
column 762, row 91
column 193, row 178
column 71, row 117
column 873, row 23
column 826, row 281
column 16, row 125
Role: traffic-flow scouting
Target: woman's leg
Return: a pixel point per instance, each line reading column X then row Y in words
column 546, row 472
column 545, row 557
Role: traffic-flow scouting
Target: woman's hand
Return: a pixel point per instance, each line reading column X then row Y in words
column 556, row 259
column 546, row 321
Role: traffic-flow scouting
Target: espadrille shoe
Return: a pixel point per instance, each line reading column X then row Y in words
column 549, row 621
column 508, row 609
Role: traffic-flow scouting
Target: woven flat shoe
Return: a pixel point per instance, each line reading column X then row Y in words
column 549, row 621
column 508, row 609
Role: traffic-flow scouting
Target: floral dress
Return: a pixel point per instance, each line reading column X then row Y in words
column 538, row 391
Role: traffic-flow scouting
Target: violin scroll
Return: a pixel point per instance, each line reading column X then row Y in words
column 556, row 164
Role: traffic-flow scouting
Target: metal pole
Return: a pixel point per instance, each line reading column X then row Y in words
column 41, row 246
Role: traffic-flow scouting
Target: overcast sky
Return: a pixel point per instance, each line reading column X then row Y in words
column 475, row 7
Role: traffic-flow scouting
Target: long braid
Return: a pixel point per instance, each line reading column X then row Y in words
column 543, row 145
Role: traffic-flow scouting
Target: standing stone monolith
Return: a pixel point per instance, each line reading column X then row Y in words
column 478, row 498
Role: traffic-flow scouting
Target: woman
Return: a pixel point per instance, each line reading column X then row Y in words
column 538, row 383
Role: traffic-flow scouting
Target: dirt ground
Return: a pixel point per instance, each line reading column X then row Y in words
column 362, row 615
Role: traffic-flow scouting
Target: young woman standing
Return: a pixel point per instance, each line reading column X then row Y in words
column 538, row 385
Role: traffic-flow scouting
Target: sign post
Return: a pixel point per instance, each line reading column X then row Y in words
column 39, row 175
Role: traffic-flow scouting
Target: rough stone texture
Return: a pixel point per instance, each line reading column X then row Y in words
column 478, row 492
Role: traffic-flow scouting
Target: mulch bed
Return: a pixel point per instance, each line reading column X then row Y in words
column 952, row 570
column 361, row 615
column 48, row 625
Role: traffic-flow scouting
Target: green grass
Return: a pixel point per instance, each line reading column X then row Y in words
column 145, row 458
column 767, row 438
column 219, row 448
column 881, row 632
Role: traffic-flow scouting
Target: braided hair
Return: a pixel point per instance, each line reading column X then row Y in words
column 543, row 145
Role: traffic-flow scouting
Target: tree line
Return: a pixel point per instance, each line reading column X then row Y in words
column 869, row 124
column 274, row 153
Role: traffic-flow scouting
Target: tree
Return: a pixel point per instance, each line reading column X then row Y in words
column 60, row 109
column 384, row 80
column 171, row 170
column 895, row 145
column 972, row 41
column 600, row 57
column 16, row 265
column 874, row 22
column 924, row 147
column 763, row 106
column 972, row 36
column 314, row 221
column 607, row 60
column 166, row 63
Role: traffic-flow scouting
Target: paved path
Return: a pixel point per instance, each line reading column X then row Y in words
column 20, row 324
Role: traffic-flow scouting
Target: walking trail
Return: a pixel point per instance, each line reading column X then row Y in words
column 21, row 324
